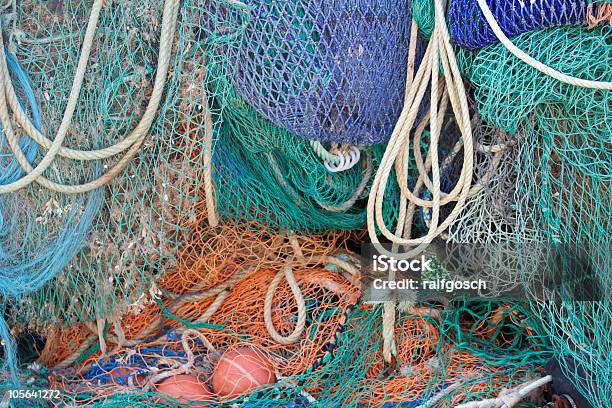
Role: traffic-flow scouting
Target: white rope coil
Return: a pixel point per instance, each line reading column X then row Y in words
column 338, row 159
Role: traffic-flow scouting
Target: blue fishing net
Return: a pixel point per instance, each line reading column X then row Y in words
column 470, row 29
column 327, row 70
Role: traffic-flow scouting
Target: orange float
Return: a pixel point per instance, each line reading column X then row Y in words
column 186, row 388
column 242, row 370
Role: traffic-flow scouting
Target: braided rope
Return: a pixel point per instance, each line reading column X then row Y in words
column 209, row 187
column 439, row 49
column 510, row 398
column 287, row 273
column 398, row 150
column 131, row 143
column 336, row 161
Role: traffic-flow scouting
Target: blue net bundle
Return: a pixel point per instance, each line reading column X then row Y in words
column 331, row 71
column 470, row 29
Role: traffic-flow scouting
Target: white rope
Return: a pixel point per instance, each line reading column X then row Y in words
column 526, row 58
column 287, row 273
column 511, row 398
column 347, row 161
column 398, row 151
column 130, row 145
column 338, row 159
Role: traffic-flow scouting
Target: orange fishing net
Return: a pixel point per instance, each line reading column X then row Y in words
column 450, row 368
column 327, row 296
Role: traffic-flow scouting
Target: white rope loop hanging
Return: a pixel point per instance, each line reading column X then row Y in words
column 398, row 151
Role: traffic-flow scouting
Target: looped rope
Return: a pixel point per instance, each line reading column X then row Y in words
column 336, row 160
column 347, row 161
column 287, row 273
column 398, row 151
column 357, row 194
column 130, row 145
column 397, row 154
column 523, row 56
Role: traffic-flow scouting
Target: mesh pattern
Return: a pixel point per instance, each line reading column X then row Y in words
column 470, row 29
column 271, row 176
column 106, row 246
column 332, row 71
column 562, row 187
column 458, row 353
column 473, row 352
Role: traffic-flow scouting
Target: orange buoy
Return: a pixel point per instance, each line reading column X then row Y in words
column 186, row 388
column 240, row 371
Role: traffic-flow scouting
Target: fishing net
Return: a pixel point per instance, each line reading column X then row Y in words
column 215, row 300
column 104, row 247
column 275, row 178
column 327, row 71
column 465, row 354
column 470, row 29
column 210, row 262
column 560, row 194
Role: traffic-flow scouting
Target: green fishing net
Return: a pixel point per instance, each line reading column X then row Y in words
column 267, row 174
column 561, row 190
column 128, row 231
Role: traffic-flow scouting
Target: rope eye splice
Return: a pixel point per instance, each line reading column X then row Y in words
column 130, row 146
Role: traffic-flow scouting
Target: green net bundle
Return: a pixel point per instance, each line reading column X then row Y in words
column 274, row 177
column 562, row 187
column 106, row 247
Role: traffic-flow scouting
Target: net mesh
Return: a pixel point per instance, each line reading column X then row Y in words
column 107, row 245
column 470, row 29
column 273, row 177
column 449, row 354
column 560, row 189
column 475, row 351
column 146, row 289
column 327, row 71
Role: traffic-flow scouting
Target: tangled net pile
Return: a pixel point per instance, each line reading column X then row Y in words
column 260, row 139
column 105, row 247
column 559, row 189
column 333, row 360
column 275, row 178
